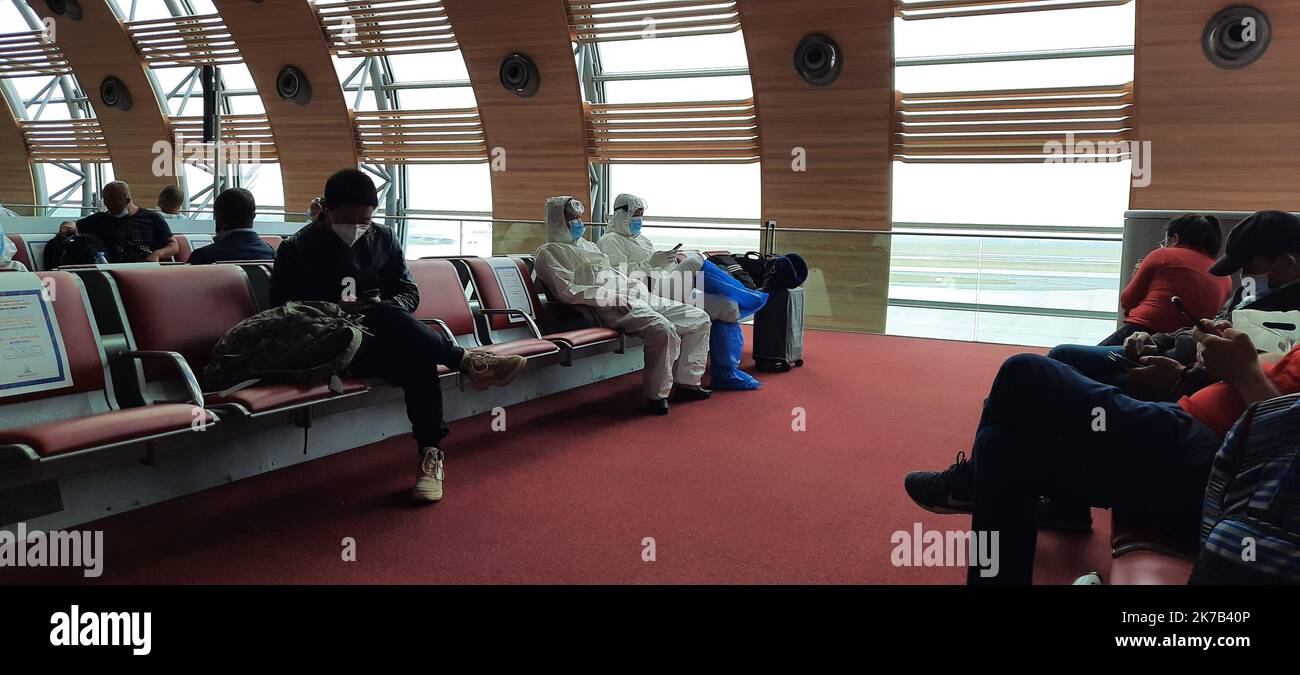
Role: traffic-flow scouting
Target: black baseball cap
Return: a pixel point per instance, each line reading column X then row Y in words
column 1265, row 233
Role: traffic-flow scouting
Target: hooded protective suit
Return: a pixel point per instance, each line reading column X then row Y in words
column 637, row 252
column 7, row 252
column 676, row 335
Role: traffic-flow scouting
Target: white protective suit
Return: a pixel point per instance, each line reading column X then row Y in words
column 8, row 250
column 676, row 335
column 637, row 252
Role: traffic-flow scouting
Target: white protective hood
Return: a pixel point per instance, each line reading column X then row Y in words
column 572, row 270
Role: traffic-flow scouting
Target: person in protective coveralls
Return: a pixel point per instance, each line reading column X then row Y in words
column 671, row 277
column 676, row 335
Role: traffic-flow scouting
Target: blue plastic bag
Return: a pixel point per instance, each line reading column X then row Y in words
column 726, row 343
column 718, row 282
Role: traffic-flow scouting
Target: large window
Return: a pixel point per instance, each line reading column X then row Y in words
column 697, row 201
column 1010, row 248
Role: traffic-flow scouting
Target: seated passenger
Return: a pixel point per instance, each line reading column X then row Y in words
column 1048, row 430
column 170, row 201
column 132, row 234
column 625, row 245
column 343, row 257
column 676, row 335
column 233, row 211
column 1179, row 268
column 1265, row 248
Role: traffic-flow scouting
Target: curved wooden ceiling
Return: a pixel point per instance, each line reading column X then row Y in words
column 312, row 140
column 16, row 183
column 99, row 46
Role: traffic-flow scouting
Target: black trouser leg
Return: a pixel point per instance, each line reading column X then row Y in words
column 407, row 353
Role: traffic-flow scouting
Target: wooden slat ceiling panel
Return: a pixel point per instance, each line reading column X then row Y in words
column 184, row 41
column 28, row 54
column 637, row 19
column 371, row 27
column 911, row 10
column 447, row 136
column 1014, row 125
column 16, row 182
column 77, row 140
column 709, row 131
column 252, row 132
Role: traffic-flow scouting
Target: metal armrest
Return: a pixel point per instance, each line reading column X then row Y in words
column 537, row 332
column 446, row 330
column 183, row 366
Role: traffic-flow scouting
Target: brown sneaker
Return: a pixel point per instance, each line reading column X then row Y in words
column 485, row 369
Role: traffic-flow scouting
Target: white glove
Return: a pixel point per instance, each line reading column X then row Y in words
column 662, row 258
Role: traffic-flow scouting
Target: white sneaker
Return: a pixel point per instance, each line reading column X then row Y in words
column 428, row 483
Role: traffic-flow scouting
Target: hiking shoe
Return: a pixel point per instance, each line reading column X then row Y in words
column 949, row 491
column 428, row 482
column 485, row 369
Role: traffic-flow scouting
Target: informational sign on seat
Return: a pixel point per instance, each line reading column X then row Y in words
column 32, row 356
column 512, row 286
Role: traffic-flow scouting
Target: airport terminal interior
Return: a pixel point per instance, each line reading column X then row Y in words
column 920, row 292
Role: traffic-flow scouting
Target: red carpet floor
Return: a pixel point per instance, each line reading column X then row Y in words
column 727, row 490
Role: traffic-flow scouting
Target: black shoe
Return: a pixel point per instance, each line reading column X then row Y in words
column 949, row 491
column 691, row 394
column 657, row 407
column 1063, row 516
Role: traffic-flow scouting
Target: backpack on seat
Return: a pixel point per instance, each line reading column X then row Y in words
column 302, row 343
column 1250, row 528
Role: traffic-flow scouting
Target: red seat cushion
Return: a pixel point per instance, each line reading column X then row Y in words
column 269, row 397
column 1126, row 533
column 56, row 438
column 524, row 348
column 584, row 337
column 1144, row 568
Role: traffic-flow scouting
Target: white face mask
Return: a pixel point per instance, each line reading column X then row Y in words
column 350, row 234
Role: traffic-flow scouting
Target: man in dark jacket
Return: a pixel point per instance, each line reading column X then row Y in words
column 233, row 211
column 343, row 257
column 131, row 233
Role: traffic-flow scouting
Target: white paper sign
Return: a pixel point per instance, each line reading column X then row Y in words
column 32, row 356
column 512, row 287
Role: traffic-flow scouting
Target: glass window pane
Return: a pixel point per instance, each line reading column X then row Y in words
column 679, row 89
column 1017, row 32
column 1015, row 74
column 674, row 53
column 450, row 187
column 692, row 190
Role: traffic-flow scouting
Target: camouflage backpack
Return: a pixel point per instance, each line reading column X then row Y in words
column 299, row 343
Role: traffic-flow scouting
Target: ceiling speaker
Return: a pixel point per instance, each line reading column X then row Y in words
column 292, row 85
column 519, row 75
column 114, row 94
column 68, row 8
column 1237, row 37
column 818, row 60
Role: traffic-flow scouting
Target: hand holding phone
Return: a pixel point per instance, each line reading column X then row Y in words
column 1122, row 360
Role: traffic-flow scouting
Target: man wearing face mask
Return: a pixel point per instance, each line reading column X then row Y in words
column 676, row 335
column 130, row 233
column 625, row 245
column 342, row 257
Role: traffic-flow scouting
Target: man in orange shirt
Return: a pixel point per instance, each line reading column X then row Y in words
column 1047, row 430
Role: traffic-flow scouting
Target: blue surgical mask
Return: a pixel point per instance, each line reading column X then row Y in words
column 635, row 226
column 576, row 228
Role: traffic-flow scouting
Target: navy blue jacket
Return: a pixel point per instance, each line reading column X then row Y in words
column 233, row 245
column 313, row 265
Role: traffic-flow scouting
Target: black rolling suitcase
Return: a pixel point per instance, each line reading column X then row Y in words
column 778, row 331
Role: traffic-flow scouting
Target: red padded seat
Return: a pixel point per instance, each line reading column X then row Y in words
column 273, row 240
column 443, row 297
column 274, row 396
column 584, row 336
column 64, row 436
column 21, row 254
column 1145, row 568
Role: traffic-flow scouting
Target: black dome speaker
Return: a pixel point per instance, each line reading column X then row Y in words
column 292, row 85
column 68, row 8
column 818, row 60
column 1237, row 37
column 114, row 94
column 519, row 75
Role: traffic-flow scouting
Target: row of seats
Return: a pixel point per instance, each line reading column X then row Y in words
column 32, row 253
column 137, row 336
